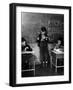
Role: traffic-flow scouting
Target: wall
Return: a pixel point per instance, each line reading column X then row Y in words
column 32, row 23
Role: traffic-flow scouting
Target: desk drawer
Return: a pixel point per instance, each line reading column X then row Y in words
column 60, row 56
column 60, row 62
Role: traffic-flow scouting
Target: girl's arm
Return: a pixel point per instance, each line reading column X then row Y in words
column 26, row 49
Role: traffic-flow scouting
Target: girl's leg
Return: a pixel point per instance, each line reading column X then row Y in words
column 41, row 55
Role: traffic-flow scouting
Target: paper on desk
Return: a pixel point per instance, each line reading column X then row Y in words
column 58, row 51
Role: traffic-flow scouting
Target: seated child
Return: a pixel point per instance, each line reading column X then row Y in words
column 26, row 58
column 58, row 45
column 25, row 46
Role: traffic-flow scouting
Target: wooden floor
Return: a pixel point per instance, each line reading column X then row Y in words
column 46, row 70
column 43, row 70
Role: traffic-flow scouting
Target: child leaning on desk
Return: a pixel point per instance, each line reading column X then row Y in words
column 25, row 46
column 59, row 45
column 27, row 58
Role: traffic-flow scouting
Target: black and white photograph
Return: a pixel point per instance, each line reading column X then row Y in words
column 40, row 44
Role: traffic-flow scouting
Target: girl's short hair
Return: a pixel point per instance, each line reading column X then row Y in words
column 43, row 29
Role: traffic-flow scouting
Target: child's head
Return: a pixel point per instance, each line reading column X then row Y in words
column 23, row 41
column 59, row 42
column 43, row 30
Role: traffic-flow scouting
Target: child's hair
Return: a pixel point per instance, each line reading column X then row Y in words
column 61, row 39
column 23, row 39
column 43, row 29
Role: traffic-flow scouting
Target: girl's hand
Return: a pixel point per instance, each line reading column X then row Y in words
column 38, row 38
column 46, row 38
column 26, row 48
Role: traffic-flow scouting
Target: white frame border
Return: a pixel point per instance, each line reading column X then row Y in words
column 65, row 77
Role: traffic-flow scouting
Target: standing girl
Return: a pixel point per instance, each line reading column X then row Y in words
column 42, row 40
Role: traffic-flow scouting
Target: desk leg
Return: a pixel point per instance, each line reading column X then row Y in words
column 34, row 68
column 56, row 66
column 29, row 65
column 56, row 69
column 51, row 61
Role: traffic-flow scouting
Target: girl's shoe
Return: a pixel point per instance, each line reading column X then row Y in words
column 43, row 62
column 46, row 62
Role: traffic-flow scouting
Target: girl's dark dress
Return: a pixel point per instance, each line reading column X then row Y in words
column 44, row 54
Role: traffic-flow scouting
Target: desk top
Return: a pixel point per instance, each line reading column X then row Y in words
column 28, row 52
column 57, row 52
